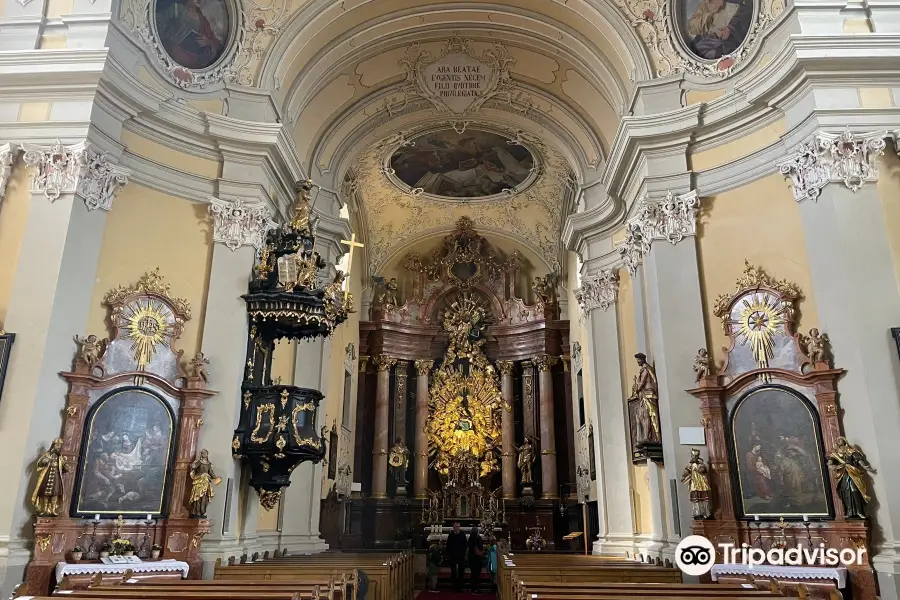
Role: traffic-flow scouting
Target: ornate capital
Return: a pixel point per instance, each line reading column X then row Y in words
column 830, row 157
column 100, row 179
column 424, row 366
column 383, row 362
column 671, row 219
column 545, row 362
column 8, row 154
column 599, row 291
column 505, row 367
column 237, row 224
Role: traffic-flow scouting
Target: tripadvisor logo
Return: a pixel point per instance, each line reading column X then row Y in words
column 695, row 556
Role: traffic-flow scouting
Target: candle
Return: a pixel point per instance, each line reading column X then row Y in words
column 805, row 519
column 149, row 517
column 756, row 517
column 97, row 517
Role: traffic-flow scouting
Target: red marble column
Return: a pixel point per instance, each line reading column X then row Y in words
column 420, row 458
column 549, row 487
column 507, row 429
column 382, row 424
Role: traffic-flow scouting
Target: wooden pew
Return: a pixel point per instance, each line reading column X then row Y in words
column 322, row 587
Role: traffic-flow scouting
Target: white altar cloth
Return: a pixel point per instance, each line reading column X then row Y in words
column 156, row 566
column 838, row 574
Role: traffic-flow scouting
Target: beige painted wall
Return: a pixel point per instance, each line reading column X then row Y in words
column 13, row 214
column 759, row 222
column 889, row 192
column 147, row 229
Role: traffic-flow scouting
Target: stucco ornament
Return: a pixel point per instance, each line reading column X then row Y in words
column 597, row 291
column 237, row 224
column 671, row 219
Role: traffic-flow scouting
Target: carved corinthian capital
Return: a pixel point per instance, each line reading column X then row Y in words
column 544, row 362
column 505, row 367
column 236, row 224
column 383, row 362
column 423, row 366
column 671, row 219
column 847, row 158
column 598, row 291
column 8, row 154
column 100, row 179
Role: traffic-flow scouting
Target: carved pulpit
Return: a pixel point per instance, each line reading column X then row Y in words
column 773, row 429
column 129, row 436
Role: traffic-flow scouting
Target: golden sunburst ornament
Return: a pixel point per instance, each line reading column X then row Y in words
column 759, row 319
column 147, row 323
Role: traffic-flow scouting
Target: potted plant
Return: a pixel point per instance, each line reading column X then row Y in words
column 155, row 549
column 77, row 553
column 122, row 547
column 104, row 551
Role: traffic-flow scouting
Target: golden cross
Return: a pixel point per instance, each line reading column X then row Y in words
column 352, row 243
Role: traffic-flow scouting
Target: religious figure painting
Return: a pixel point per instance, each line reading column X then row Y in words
column 129, row 448
column 777, row 454
column 193, row 32
column 715, row 28
column 468, row 165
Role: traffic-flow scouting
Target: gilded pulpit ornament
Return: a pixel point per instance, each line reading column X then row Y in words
column 525, row 461
column 848, row 466
column 203, row 477
column 300, row 220
column 90, row 349
column 696, row 477
column 701, row 364
column 48, row 490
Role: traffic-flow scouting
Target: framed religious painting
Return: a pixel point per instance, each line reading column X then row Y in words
column 127, row 453
column 712, row 29
column 895, row 333
column 6, row 342
column 777, row 455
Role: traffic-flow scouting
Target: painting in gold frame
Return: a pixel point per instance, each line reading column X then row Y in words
column 776, row 450
column 127, row 455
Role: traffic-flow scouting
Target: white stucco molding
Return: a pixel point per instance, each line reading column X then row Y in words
column 8, row 154
column 600, row 290
column 847, row 157
column 237, row 224
column 671, row 220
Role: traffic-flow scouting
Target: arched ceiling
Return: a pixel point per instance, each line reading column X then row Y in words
column 346, row 75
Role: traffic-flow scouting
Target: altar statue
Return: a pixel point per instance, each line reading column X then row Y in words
column 696, row 476
column 849, row 465
column 398, row 458
column 48, row 491
column 300, row 220
column 203, row 477
column 645, row 389
column 526, row 460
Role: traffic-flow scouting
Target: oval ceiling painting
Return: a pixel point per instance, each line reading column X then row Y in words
column 473, row 164
column 194, row 33
column 715, row 28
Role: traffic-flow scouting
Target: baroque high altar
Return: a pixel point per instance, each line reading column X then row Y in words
column 466, row 384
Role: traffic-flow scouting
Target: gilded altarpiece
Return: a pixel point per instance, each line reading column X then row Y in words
column 409, row 330
column 772, row 421
column 132, row 417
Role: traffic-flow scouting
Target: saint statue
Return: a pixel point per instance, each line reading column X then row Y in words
column 645, row 389
column 849, row 465
column 696, row 476
column 203, row 477
column 398, row 458
column 198, row 368
column 526, row 460
column 48, row 491
column 300, row 221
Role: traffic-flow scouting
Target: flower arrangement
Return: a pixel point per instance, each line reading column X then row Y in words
column 155, row 549
column 77, row 553
column 121, row 546
column 77, row 549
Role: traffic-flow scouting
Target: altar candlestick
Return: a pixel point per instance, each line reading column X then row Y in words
column 756, row 517
column 805, row 518
column 97, row 517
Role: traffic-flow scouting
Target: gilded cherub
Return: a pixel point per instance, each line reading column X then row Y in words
column 817, row 346
column 198, row 367
column 90, row 349
column 543, row 289
column 701, row 364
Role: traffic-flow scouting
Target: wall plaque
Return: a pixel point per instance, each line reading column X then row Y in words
column 458, row 80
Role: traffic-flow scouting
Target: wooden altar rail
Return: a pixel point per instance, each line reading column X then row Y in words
column 390, row 576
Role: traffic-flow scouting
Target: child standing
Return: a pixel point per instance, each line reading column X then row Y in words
column 434, row 563
column 492, row 562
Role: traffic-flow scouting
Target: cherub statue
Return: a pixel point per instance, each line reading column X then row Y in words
column 701, row 364
column 300, row 220
column 849, row 465
column 203, row 477
column 90, row 349
column 389, row 297
column 817, row 346
column 198, row 367
column 526, row 460
column 48, row 491
column 696, row 476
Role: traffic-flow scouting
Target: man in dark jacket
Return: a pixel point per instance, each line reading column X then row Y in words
column 476, row 558
column 456, row 553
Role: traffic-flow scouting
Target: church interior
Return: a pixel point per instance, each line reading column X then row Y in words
column 392, row 299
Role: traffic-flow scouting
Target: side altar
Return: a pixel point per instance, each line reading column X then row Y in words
column 466, row 388
column 125, row 476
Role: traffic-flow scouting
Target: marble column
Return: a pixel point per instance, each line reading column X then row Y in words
column 598, row 296
column 50, row 300
column 420, row 458
column 855, row 286
column 224, row 344
column 507, row 429
column 549, row 487
column 382, row 425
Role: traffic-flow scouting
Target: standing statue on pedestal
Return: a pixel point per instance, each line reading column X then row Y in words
column 300, row 220
column 48, row 491
column 203, row 477
column 645, row 389
column 849, row 465
column 398, row 458
column 696, row 476
column 816, row 347
column 526, row 461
